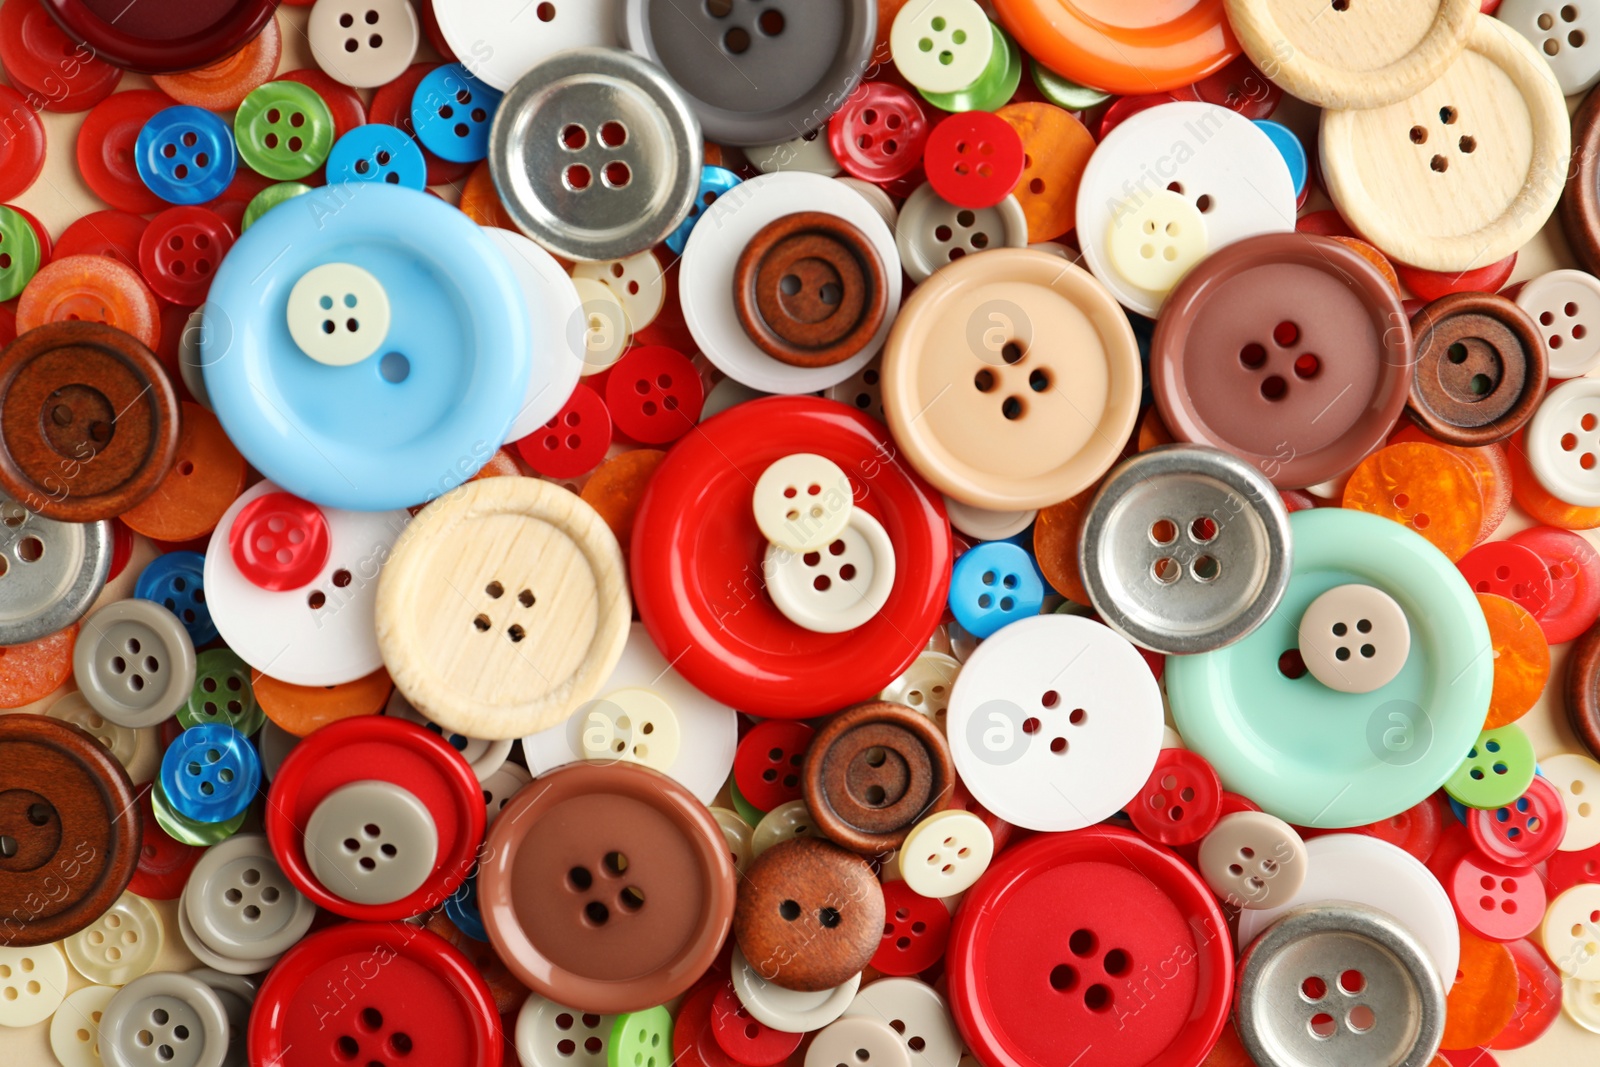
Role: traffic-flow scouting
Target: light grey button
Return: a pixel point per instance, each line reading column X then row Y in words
column 134, row 662
column 241, row 904
column 1185, row 549
column 274, row 743
column 595, row 154
column 1338, row 985
column 237, row 992
column 932, row 232
column 50, row 572
column 757, row 74
column 1563, row 33
column 164, row 1020
column 371, row 842
column 191, row 361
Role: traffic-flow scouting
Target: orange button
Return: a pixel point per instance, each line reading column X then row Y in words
column 1229, row 1051
column 93, row 289
column 300, row 709
column 1121, row 47
column 481, row 203
column 208, row 476
column 223, row 85
column 1521, row 659
column 1426, row 488
column 1376, row 258
column 1484, row 996
column 1056, row 533
column 617, row 485
column 1056, row 148
column 35, row 670
column 501, row 465
column 1489, row 465
column 1152, row 431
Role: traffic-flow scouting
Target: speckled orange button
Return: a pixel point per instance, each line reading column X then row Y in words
column 207, row 476
column 92, row 289
column 616, row 487
column 35, row 670
column 1521, row 659
column 1057, row 148
column 1426, row 488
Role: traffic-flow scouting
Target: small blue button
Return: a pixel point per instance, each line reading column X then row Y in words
column 452, row 111
column 714, row 181
column 378, row 153
column 1290, row 148
column 211, row 773
column 176, row 582
column 186, row 155
column 994, row 583
column 461, row 908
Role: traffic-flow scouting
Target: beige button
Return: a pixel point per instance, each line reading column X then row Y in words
column 1365, row 53
column 1354, row 638
column 1253, row 860
column 632, row 725
column 1011, row 379
column 636, row 281
column 862, row 1040
column 503, row 608
column 784, row 822
column 1465, row 171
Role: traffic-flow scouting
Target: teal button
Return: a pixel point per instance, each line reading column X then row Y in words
column 1316, row 757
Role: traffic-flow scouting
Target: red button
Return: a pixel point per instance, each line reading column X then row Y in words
column 1567, row 869
column 1538, row 997
column 158, row 36
column 1524, row 832
column 654, row 395
column 973, row 159
column 1496, row 902
column 693, row 1044
column 104, row 233
column 572, row 443
column 58, row 73
column 766, row 765
column 916, row 930
column 1574, row 568
column 749, row 1042
column 375, row 993
column 22, row 147
column 164, row 863
column 121, row 549
column 880, row 132
column 1180, row 802
column 279, row 542
column 180, row 251
column 1431, row 285
column 391, row 106
column 1513, row 571
column 1239, row 87
column 105, row 149
column 1124, row 108
column 1417, row 829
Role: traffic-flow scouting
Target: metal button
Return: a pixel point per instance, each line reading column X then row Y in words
column 52, row 572
column 164, row 1020
column 372, row 842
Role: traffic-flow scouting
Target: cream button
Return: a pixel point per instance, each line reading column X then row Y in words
column 1354, row 638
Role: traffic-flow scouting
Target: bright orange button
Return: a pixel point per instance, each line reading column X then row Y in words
column 1375, row 257
column 93, row 289
column 616, row 487
column 35, row 670
column 1147, row 46
column 1056, row 148
column 1426, row 488
column 1539, row 502
column 223, row 85
column 300, row 709
column 207, row 476
column 1521, row 663
column 1484, row 996
column 1056, row 533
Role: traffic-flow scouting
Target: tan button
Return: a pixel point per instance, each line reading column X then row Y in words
column 1011, row 380
column 873, row 772
column 503, row 608
column 1352, row 55
column 809, row 916
column 1464, row 172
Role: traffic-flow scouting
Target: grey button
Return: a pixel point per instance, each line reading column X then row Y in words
column 50, row 572
column 134, row 662
column 1185, row 549
column 595, row 154
column 241, row 904
column 1338, row 985
column 757, row 74
column 371, row 842
column 932, row 232
column 164, row 1020
column 274, row 744
column 237, row 993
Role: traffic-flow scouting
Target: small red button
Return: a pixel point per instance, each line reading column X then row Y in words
column 1180, row 802
column 915, row 931
column 749, row 1042
column 1417, row 829
column 1574, row 568
column 572, row 443
column 180, row 251
column 654, row 395
column 766, row 765
column 974, row 159
column 164, row 863
column 1496, row 902
column 1567, row 869
column 880, row 132
column 1513, row 571
column 279, row 542
column 104, row 233
column 1524, row 832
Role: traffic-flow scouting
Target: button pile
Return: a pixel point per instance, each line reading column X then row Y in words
column 887, row 533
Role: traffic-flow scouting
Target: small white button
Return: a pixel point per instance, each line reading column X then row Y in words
column 945, row 853
column 926, row 685
column 837, row 587
column 1253, row 860
column 941, row 46
column 606, row 331
column 1154, row 243
column 1566, row 305
column 739, row 836
column 637, row 282
column 863, row 1040
column 33, row 982
column 917, row 1013
column 1577, row 778
column 631, row 725
column 802, row 502
column 784, row 822
column 1354, row 638
column 1564, row 442
column 549, row 1035
column 338, row 314
column 1571, row 932
column 363, row 44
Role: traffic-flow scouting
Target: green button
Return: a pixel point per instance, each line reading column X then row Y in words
column 641, row 1039
column 1497, row 770
column 1064, row 92
column 994, row 87
column 222, row 693
column 19, row 252
column 182, row 828
column 747, row 811
column 269, row 198
column 284, row 130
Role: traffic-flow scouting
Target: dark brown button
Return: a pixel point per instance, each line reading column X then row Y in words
column 810, row 290
column 810, row 914
column 607, row 887
column 1481, row 368
column 874, row 772
column 1580, row 200
column 1583, row 689
column 69, row 833
column 88, row 421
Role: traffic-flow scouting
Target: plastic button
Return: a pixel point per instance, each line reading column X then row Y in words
column 932, row 232
column 1498, row 769
column 176, row 582
column 545, row 1031
column 222, row 84
column 363, row 43
column 915, row 931
column 992, row 585
column 631, row 726
column 371, row 842
column 161, row 1019
column 120, row 945
column 1156, row 242
column 75, row 81
column 1563, row 441
column 1522, row 660
column 654, row 394
column 1253, row 860
column 945, row 854
column 123, row 742
column 714, row 182
column 105, row 149
column 837, row 588
column 75, row 1031
column 279, row 542
column 1513, row 571
column 1495, row 901
column 134, row 663
column 768, row 763
column 284, row 130
column 338, row 314
column 180, row 250
column 23, row 252
column 22, row 153
column 810, row 152
column 1354, row 638
column 210, row 773
column 378, row 153
column 879, row 133
column 802, row 502
column 941, row 46
column 186, row 155
column 1526, row 831
column 451, row 112
column 789, row 1010
column 470, row 27
column 973, row 159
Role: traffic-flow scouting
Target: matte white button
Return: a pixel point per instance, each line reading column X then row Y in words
column 1564, row 34
column 364, row 43
column 987, row 525
column 786, row 821
column 1253, row 860
column 33, row 982
column 862, row 1040
column 549, row 1035
column 500, row 40
column 1154, row 243
column 1566, row 306
column 1571, row 932
column 917, row 1013
column 1564, row 442
column 1354, row 638
column 838, row 587
column 371, row 842
column 946, row 853
column 1578, row 780
column 788, row 1010
column 802, row 502
column 630, row 725
column 338, row 314
column 941, row 45
column 636, row 281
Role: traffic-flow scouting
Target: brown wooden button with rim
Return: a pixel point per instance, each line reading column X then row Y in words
column 607, row 888
column 69, row 839
column 874, row 772
column 1583, row 689
column 1580, row 200
column 810, row 914
column 88, row 421
column 1481, row 368
column 810, row 289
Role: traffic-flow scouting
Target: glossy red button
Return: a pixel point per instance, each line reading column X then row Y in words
column 749, row 1042
column 1494, row 901
column 1417, row 829
column 181, row 250
column 374, row 993
column 104, row 233
column 1574, row 568
column 1180, row 802
column 1431, row 285
column 279, row 542
column 1239, row 87
column 164, row 863
column 973, row 159
column 22, row 147
column 1538, row 997
column 654, row 395
column 1567, row 869
column 572, row 443
column 880, row 132
column 121, row 549
column 1524, row 832
column 1508, row 569
column 916, row 930
column 391, row 106
column 105, row 149
column 58, row 73
column 693, row 1044
column 766, row 765
column 1124, row 108
column 158, row 36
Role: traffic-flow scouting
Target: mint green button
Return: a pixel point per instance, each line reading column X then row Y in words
column 19, row 252
column 269, row 198
column 641, row 1039
column 1316, row 757
column 284, row 130
column 180, row 827
column 1063, row 92
column 222, row 693
column 1498, row 769
column 994, row 87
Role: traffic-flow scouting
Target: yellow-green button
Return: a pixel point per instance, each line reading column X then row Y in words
column 222, row 693
column 269, row 198
column 284, row 130
column 641, row 1039
column 19, row 252
column 1496, row 772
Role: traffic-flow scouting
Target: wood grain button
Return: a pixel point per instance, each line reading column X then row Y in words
column 1583, row 689
column 503, row 608
column 88, row 421
column 875, row 771
column 809, row 916
column 68, row 841
column 810, row 289
column 1580, row 200
column 1480, row 371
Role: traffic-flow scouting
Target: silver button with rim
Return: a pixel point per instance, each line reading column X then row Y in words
column 164, row 1020
column 50, row 572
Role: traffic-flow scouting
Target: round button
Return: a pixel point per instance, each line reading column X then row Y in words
column 451, row 111
column 1559, row 36
column 932, row 232
column 810, row 152
column 484, row 757
column 839, row 588
column 29, row 39
column 768, row 762
column 575, row 439
column 880, row 132
column 992, row 585
column 75, row 1032
column 279, row 542
column 1119, row 50
column 123, row 742
column 378, row 153
column 548, row 1034
column 1522, row 660
column 210, row 773
column 925, row 685
column 1253, row 860
column 637, row 281
column 22, row 154
column 802, row 502
column 186, row 830
column 654, row 394
column 120, row 944
column 874, row 771
column 1498, row 769
column 917, row 1014
column 1495, row 901
column 22, row 249
column 1354, row 638
column 1180, row 801
column 785, row 822
column 164, row 1018
column 518, row 46
column 741, row 1036
column 134, row 662
column 1432, row 489
column 224, row 84
column 1157, row 242
column 915, row 930
column 165, row 862
column 105, row 148
column 186, row 155
column 33, row 984
column 371, row 842
column 176, row 582
column 973, row 159
column 609, row 883
column 1524, row 832
column 1563, row 440
column 364, row 43
column 338, row 314
column 180, row 250
column 945, row 854
column 632, row 726
column 284, row 130
column 223, row 692
column 1564, row 303
column 1513, row 571
column 164, row 37
column 714, row 182
column 864, row 1038
column 941, row 46
column 54, row 571
column 1480, row 368
column 811, row 912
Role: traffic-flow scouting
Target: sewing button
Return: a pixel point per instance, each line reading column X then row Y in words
column 1522, row 660
column 22, row 154
column 135, row 662
column 284, row 130
column 1581, row 693
column 863, row 1039
column 223, row 84
column 1481, row 368
column 637, row 281
column 1559, row 36
column 714, row 182
column 1498, row 768
column 925, row 685
column 992, row 585
column 1579, row 209
column 279, row 542
column 500, row 786
column 786, row 822
column 917, row 1015
column 186, row 155
column 184, row 829
column 93, row 289
column 932, row 232
column 982, row 524
column 484, row 757
column 1581, row 1002
column 363, row 44
column 1432, row 489
column 176, row 582
column 915, row 930
column 803, row 502
column 1354, row 638
column 1120, row 51
column 575, row 439
column 502, row 47
column 1526, row 831
column 1570, row 932
column 553, row 306
column 22, row 249
column 630, row 726
column 1513, row 571
column 54, row 571
column 738, row 835
column 548, row 1034
column 75, row 1032
column 338, row 314
column 120, row 945
column 810, row 152
column 377, row 153
column 654, row 394
column 210, row 773
column 739, row 1035
column 973, row 159
column 239, row 904
column 879, row 133
column 874, row 771
column 941, row 46
column 33, row 981
column 789, row 1010
column 1484, row 999
column 1157, row 242
column 1253, row 860
column 451, row 112
column 606, row 331
column 162, row 1019
column 164, row 37
column 180, row 249
column 1495, row 901
column 371, row 842
column 838, row 588
column 1564, row 303
column 75, row 81
column 945, row 854
column 122, row 742
column 810, row 914
column 105, row 146
column 768, row 762
column 1562, row 442
column 1181, row 800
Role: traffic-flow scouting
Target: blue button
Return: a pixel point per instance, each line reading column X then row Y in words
column 461, row 908
column 1290, row 148
column 452, row 111
column 378, row 153
column 993, row 584
column 714, row 181
column 186, row 155
column 211, row 773
column 176, row 582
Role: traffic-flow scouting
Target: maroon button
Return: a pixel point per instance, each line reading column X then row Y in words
column 767, row 763
column 880, row 132
column 654, row 394
column 1481, row 368
column 279, row 542
column 1508, row 569
column 974, row 159
column 1289, row 350
column 572, row 443
column 180, row 251
column 163, row 36
column 1240, row 87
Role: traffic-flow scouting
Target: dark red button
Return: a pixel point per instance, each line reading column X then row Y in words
column 767, row 763
column 741, row 1036
column 1180, row 802
column 104, row 233
column 1574, row 568
column 1239, row 87
column 1124, row 108
column 915, row 931
column 164, row 863
column 1513, row 571
column 180, row 251
column 1524, row 832
column 279, row 542
column 58, row 73
column 572, row 443
column 880, row 132
column 22, row 147
column 654, row 395
column 163, row 36
column 973, row 159
column 105, row 149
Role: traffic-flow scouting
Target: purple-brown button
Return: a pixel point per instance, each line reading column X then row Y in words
column 162, row 36
column 1289, row 350
column 1481, row 368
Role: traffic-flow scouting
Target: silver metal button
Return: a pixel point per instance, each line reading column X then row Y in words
column 50, row 572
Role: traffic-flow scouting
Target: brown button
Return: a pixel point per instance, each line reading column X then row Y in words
column 607, row 887
column 69, row 841
column 88, row 421
column 810, row 914
column 1580, row 200
column 874, row 772
column 1481, row 368
column 1289, row 350
column 1583, row 689
column 810, row 290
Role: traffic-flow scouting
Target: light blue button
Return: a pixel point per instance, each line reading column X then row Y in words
column 452, row 112
column 994, row 583
column 714, row 182
column 1290, row 148
column 378, row 153
column 400, row 427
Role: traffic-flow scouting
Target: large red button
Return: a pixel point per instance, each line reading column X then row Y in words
column 279, row 541
column 654, row 394
column 104, row 233
column 158, row 36
column 58, row 73
column 22, row 147
column 880, row 132
column 572, row 443
column 105, row 149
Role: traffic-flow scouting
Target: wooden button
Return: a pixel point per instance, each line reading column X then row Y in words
column 1580, row 200
column 67, row 847
column 809, row 916
column 503, row 608
column 810, row 289
column 88, row 421
column 1480, row 368
column 1582, row 692
column 874, row 772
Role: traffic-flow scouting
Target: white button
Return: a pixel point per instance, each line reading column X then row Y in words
column 862, row 1040
column 483, row 756
column 630, row 725
column 926, row 685
column 33, row 982
column 501, row 786
column 1354, row 638
column 788, row 1010
column 549, row 1035
column 1564, row 33
column 1253, row 860
column 838, row 587
column 555, row 313
column 810, row 152
column 1571, row 932
column 75, row 1028
column 1578, row 780
column 783, row 823
column 1566, row 306
column 1055, row 723
column 500, row 40
column 876, row 197
column 606, row 333
column 802, row 502
column 917, row 1013
column 941, row 46
column 636, row 281
column 364, row 43
column 1580, row 1000
column 945, row 853
column 739, row 835
column 122, row 944
column 1154, row 242
column 338, row 314
column 987, row 525
column 1564, row 442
